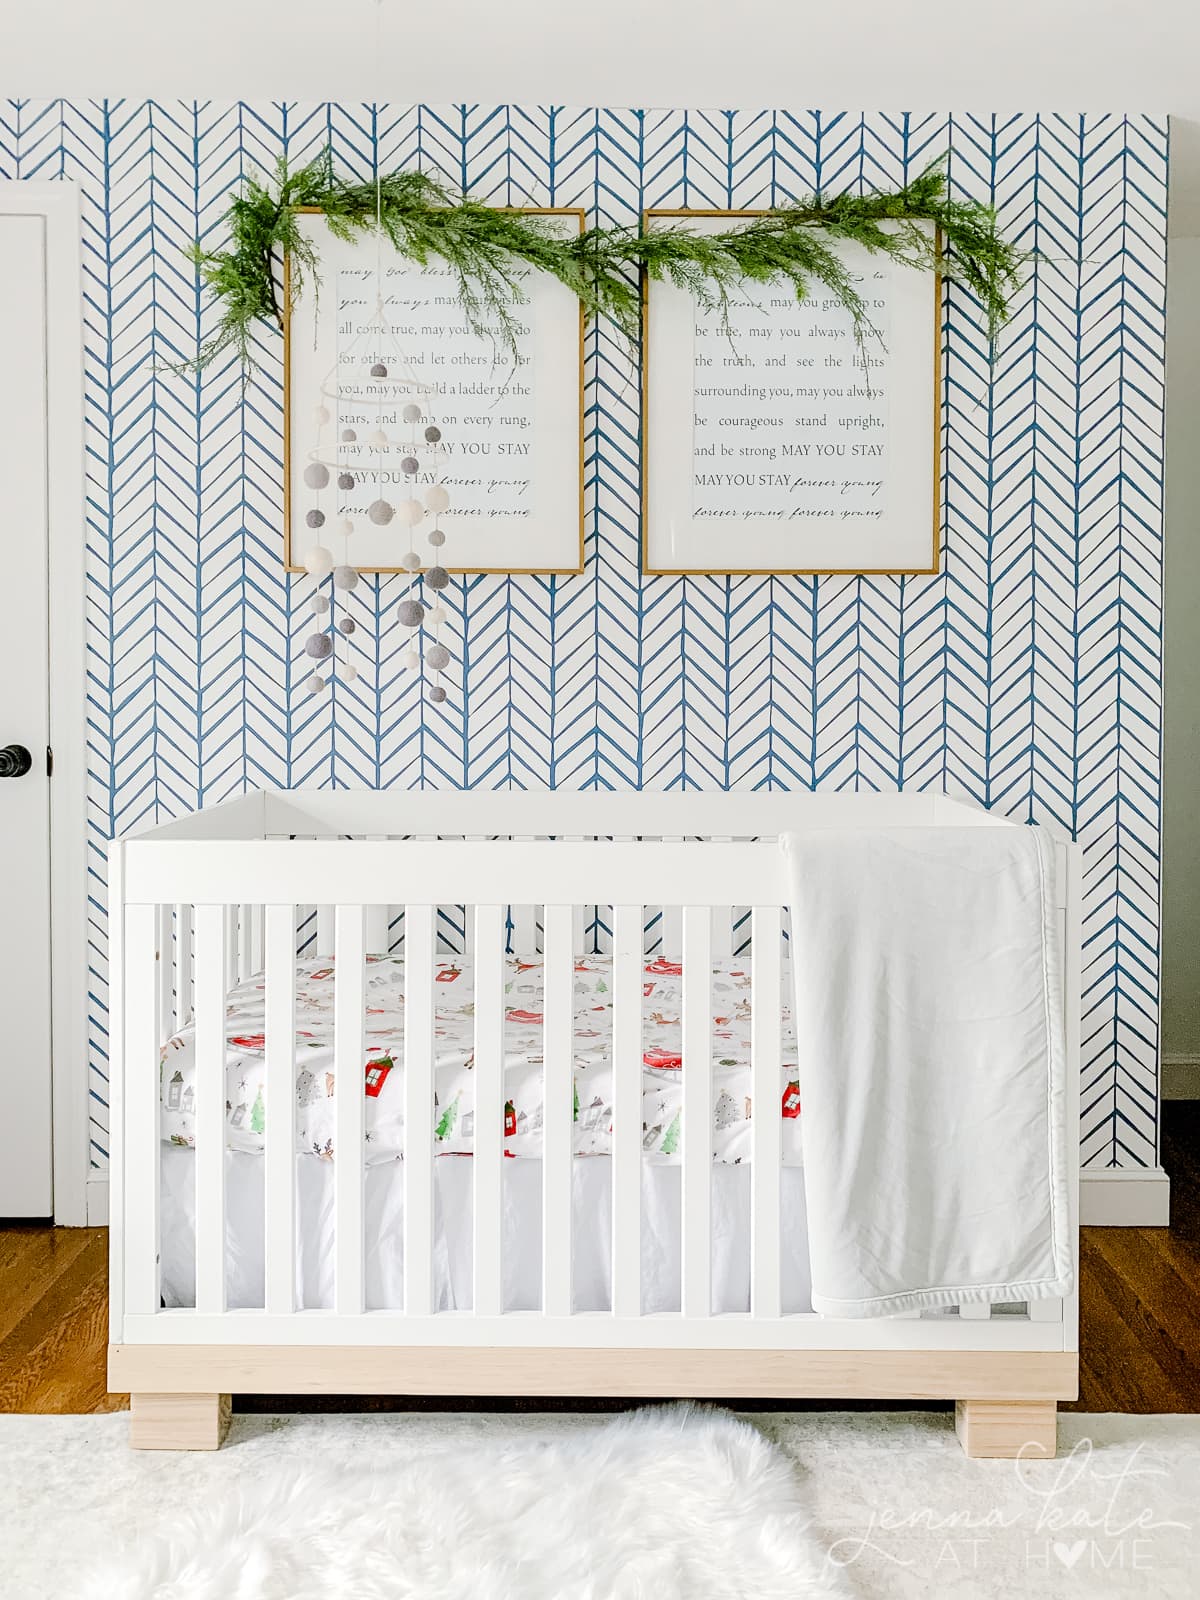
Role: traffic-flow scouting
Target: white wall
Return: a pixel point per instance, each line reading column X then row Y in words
column 1181, row 748
column 901, row 54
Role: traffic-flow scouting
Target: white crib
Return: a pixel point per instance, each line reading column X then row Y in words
column 197, row 903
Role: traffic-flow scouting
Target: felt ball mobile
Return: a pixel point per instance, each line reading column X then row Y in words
column 374, row 425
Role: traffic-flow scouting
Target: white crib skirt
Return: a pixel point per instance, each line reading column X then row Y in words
column 522, row 1232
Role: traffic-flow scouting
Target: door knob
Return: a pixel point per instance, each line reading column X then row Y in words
column 15, row 761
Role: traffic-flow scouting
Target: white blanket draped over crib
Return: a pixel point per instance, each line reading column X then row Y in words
column 931, row 1066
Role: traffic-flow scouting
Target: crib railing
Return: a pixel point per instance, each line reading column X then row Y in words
column 192, row 915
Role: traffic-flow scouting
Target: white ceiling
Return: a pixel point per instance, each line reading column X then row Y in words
column 1064, row 55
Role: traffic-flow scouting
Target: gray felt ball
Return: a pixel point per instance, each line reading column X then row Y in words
column 433, row 434
column 437, row 694
column 318, row 645
column 437, row 578
column 437, row 656
column 346, row 626
column 315, row 519
column 437, row 538
column 345, row 578
column 410, row 464
column 345, row 480
column 320, row 604
column 316, row 475
column 411, row 613
column 348, row 436
column 411, row 562
column 381, row 512
column 379, row 370
column 412, row 413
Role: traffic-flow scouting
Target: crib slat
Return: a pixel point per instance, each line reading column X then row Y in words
column 165, row 970
column 242, row 950
column 766, row 1009
column 212, row 973
column 252, row 940
column 377, row 930
column 489, row 1108
column 183, row 966
column 418, row 1110
column 141, row 1091
column 697, row 1111
column 522, row 939
column 280, row 1172
column 558, row 1109
column 627, row 1112
column 349, row 1001
column 722, row 938
column 326, row 931
column 231, row 946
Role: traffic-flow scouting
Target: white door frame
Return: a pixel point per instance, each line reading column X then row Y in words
column 57, row 204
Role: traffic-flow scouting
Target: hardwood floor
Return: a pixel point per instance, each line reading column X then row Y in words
column 54, row 1320
column 1139, row 1294
column 1139, row 1298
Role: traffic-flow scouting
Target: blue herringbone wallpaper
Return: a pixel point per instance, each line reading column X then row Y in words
column 1026, row 675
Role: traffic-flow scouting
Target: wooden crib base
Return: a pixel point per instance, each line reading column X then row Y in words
column 1004, row 1399
column 178, row 1421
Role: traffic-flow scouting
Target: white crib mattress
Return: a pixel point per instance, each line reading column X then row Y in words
column 384, row 1233
column 454, row 1018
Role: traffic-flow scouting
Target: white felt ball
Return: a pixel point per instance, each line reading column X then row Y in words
column 409, row 513
column 315, row 684
column 379, row 439
column 411, row 562
column 412, row 413
column 320, row 604
column 436, row 497
column 411, row 659
column 345, row 578
column 320, row 415
column 346, row 671
column 318, row 562
column 436, row 615
column 345, row 527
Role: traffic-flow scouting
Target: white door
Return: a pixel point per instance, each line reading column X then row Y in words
column 26, row 1168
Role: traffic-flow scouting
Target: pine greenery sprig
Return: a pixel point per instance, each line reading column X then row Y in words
column 483, row 245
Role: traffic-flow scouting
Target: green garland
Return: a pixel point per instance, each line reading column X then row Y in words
column 481, row 244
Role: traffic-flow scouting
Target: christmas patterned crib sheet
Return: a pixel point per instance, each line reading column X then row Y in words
column 454, row 1020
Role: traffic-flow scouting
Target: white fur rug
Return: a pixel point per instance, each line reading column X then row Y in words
column 676, row 1503
column 469, row 1500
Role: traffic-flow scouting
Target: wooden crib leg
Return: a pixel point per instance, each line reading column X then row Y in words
column 178, row 1421
column 1007, row 1428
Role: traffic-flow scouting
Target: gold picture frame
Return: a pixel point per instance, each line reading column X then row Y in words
column 290, row 565
column 649, row 216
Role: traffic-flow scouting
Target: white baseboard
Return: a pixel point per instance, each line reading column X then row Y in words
column 1181, row 1077
column 1126, row 1197
column 97, row 1200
